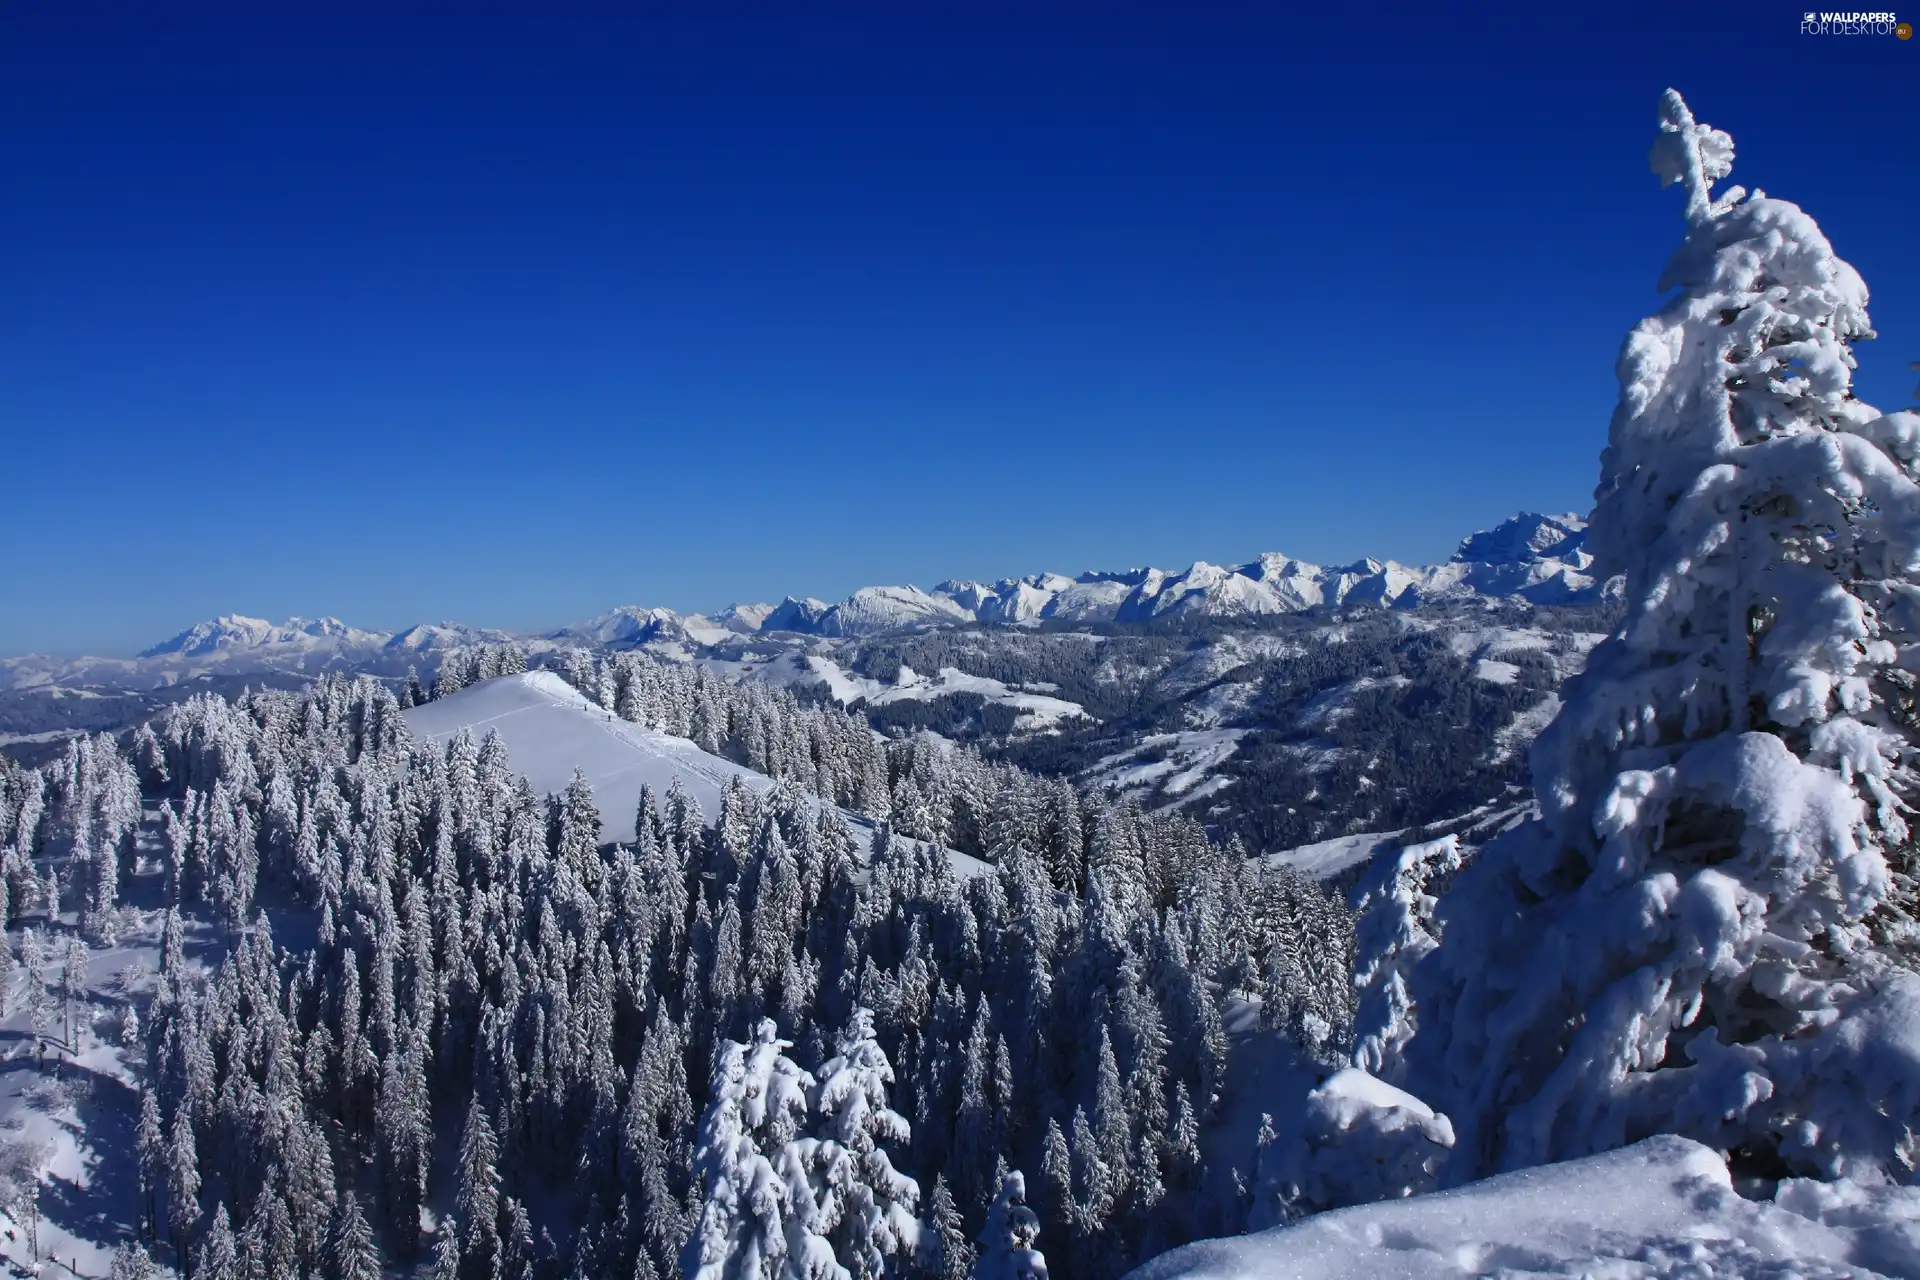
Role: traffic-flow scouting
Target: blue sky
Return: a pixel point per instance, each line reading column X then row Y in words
column 511, row 319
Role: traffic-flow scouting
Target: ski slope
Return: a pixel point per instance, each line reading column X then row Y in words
column 549, row 729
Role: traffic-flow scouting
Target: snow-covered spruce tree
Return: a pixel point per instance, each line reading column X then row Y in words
column 1702, row 934
column 874, row 1202
column 757, row 1215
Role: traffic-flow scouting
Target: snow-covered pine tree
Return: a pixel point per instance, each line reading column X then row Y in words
column 351, row 1254
column 217, row 1257
column 446, row 1251
column 748, row 1217
column 944, row 1252
column 1694, row 938
column 875, row 1201
column 73, row 991
column 150, row 1148
column 130, row 1262
column 183, row 1185
column 476, row 1201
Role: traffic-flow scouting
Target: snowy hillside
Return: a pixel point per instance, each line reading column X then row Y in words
column 1663, row 1208
column 550, row 729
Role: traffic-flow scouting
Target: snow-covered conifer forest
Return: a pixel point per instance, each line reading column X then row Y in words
column 1547, row 912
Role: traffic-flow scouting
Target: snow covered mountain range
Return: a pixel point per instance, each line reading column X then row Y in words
column 1536, row 558
column 1531, row 558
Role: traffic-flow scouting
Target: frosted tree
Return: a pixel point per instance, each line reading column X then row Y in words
column 1007, row 1241
column 73, row 990
column 477, row 1190
column 39, row 1000
column 1696, row 936
column 750, row 1224
column 150, row 1145
column 446, row 1251
column 130, row 1262
column 218, row 1256
column 874, row 1202
column 183, row 1182
column 944, row 1252
column 351, row 1254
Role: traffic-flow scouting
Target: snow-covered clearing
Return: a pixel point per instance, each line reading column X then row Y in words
column 1494, row 671
column 1038, row 710
column 1183, row 762
column 550, row 729
column 1518, row 734
column 1330, row 706
column 1665, row 1207
column 70, row 1117
column 1327, row 858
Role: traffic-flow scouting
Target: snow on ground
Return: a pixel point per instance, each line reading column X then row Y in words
column 1665, row 1207
column 1494, row 671
column 1181, row 763
column 1518, row 734
column 1223, row 702
column 1330, row 706
column 1038, row 710
column 70, row 1118
column 1566, row 652
column 1330, row 857
column 549, row 729
column 1208, row 662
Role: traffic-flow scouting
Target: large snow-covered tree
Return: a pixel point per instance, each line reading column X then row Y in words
column 756, row 1214
column 1702, row 933
column 873, row 1201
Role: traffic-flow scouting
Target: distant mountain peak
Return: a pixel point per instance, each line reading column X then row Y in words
column 1531, row 557
column 1527, row 538
column 238, row 631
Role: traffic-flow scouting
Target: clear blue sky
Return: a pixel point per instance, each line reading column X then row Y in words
column 511, row 319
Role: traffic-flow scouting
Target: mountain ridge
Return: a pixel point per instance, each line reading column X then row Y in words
column 1540, row 559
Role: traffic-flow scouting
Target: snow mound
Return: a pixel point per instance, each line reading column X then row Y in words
column 1359, row 1140
column 1664, row 1207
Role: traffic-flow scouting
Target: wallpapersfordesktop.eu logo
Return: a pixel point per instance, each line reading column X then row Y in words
column 1854, row 24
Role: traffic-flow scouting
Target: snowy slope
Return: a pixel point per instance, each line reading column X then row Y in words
column 1665, row 1207
column 1328, row 858
column 550, row 729
column 1038, row 711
